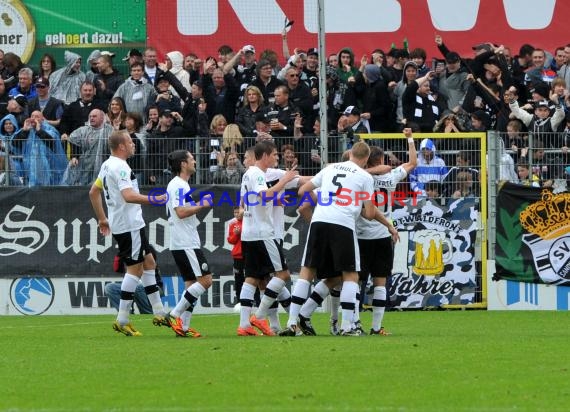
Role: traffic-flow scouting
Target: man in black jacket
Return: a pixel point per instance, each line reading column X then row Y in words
column 51, row 108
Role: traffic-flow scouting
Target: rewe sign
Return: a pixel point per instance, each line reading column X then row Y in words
column 202, row 26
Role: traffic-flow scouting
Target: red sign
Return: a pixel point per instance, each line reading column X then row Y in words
column 202, row 26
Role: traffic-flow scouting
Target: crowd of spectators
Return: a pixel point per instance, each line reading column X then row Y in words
column 55, row 118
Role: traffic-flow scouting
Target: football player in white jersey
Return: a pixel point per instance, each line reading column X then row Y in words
column 185, row 241
column 345, row 193
column 262, row 253
column 375, row 242
column 118, row 183
column 272, row 177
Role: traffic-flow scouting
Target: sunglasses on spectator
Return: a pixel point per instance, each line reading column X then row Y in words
column 293, row 75
column 40, row 86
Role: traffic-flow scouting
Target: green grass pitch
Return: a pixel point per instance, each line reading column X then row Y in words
column 434, row 361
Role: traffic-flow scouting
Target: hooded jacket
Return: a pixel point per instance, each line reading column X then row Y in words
column 65, row 83
column 177, row 69
column 14, row 165
column 44, row 160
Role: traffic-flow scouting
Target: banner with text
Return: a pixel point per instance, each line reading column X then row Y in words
column 435, row 259
column 52, row 233
column 31, row 28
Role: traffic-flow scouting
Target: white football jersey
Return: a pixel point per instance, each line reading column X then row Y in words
column 272, row 177
column 384, row 187
column 258, row 212
column 340, row 184
column 183, row 232
column 116, row 175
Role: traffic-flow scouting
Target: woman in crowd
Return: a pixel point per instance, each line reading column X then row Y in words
column 152, row 116
column 47, row 66
column 116, row 113
column 230, row 170
column 253, row 103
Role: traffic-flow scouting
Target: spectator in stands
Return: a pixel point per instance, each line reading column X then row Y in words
column 76, row 113
column 546, row 166
column 559, row 59
column 51, row 108
column 165, row 98
column 410, row 75
column 194, row 114
column 174, row 64
column 262, row 129
column 246, row 70
column 288, row 157
column 66, row 82
column 418, row 104
column 433, row 190
column 521, row 64
column 107, row 80
column 430, row 167
column 525, row 177
column 25, row 84
column 542, row 124
column 11, row 167
column 193, row 65
column 166, row 138
column 351, row 83
column 91, row 69
column 152, row 116
column 558, row 86
column 332, row 60
column 230, row 170
column 464, row 186
column 453, row 83
column 419, row 57
column 132, row 57
column 538, row 72
column 89, row 149
column 225, row 54
column 564, row 71
column 395, row 60
column 12, row 65
column 462, row 165
column 18, row 107
column 351, row 124
column 448, row 123
column 271, row 56
column 266, row 81
column 40, row 146
column 116, row 113
column 47, row 66
column 137, row 163
column 516, row 138
column 480, row 121
column 281, row 116
column 152, row 73
column 232, row 139
column 136, row 91
column 300, row 97
column 223, row 88
column 253, row 103
column 377, row 106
